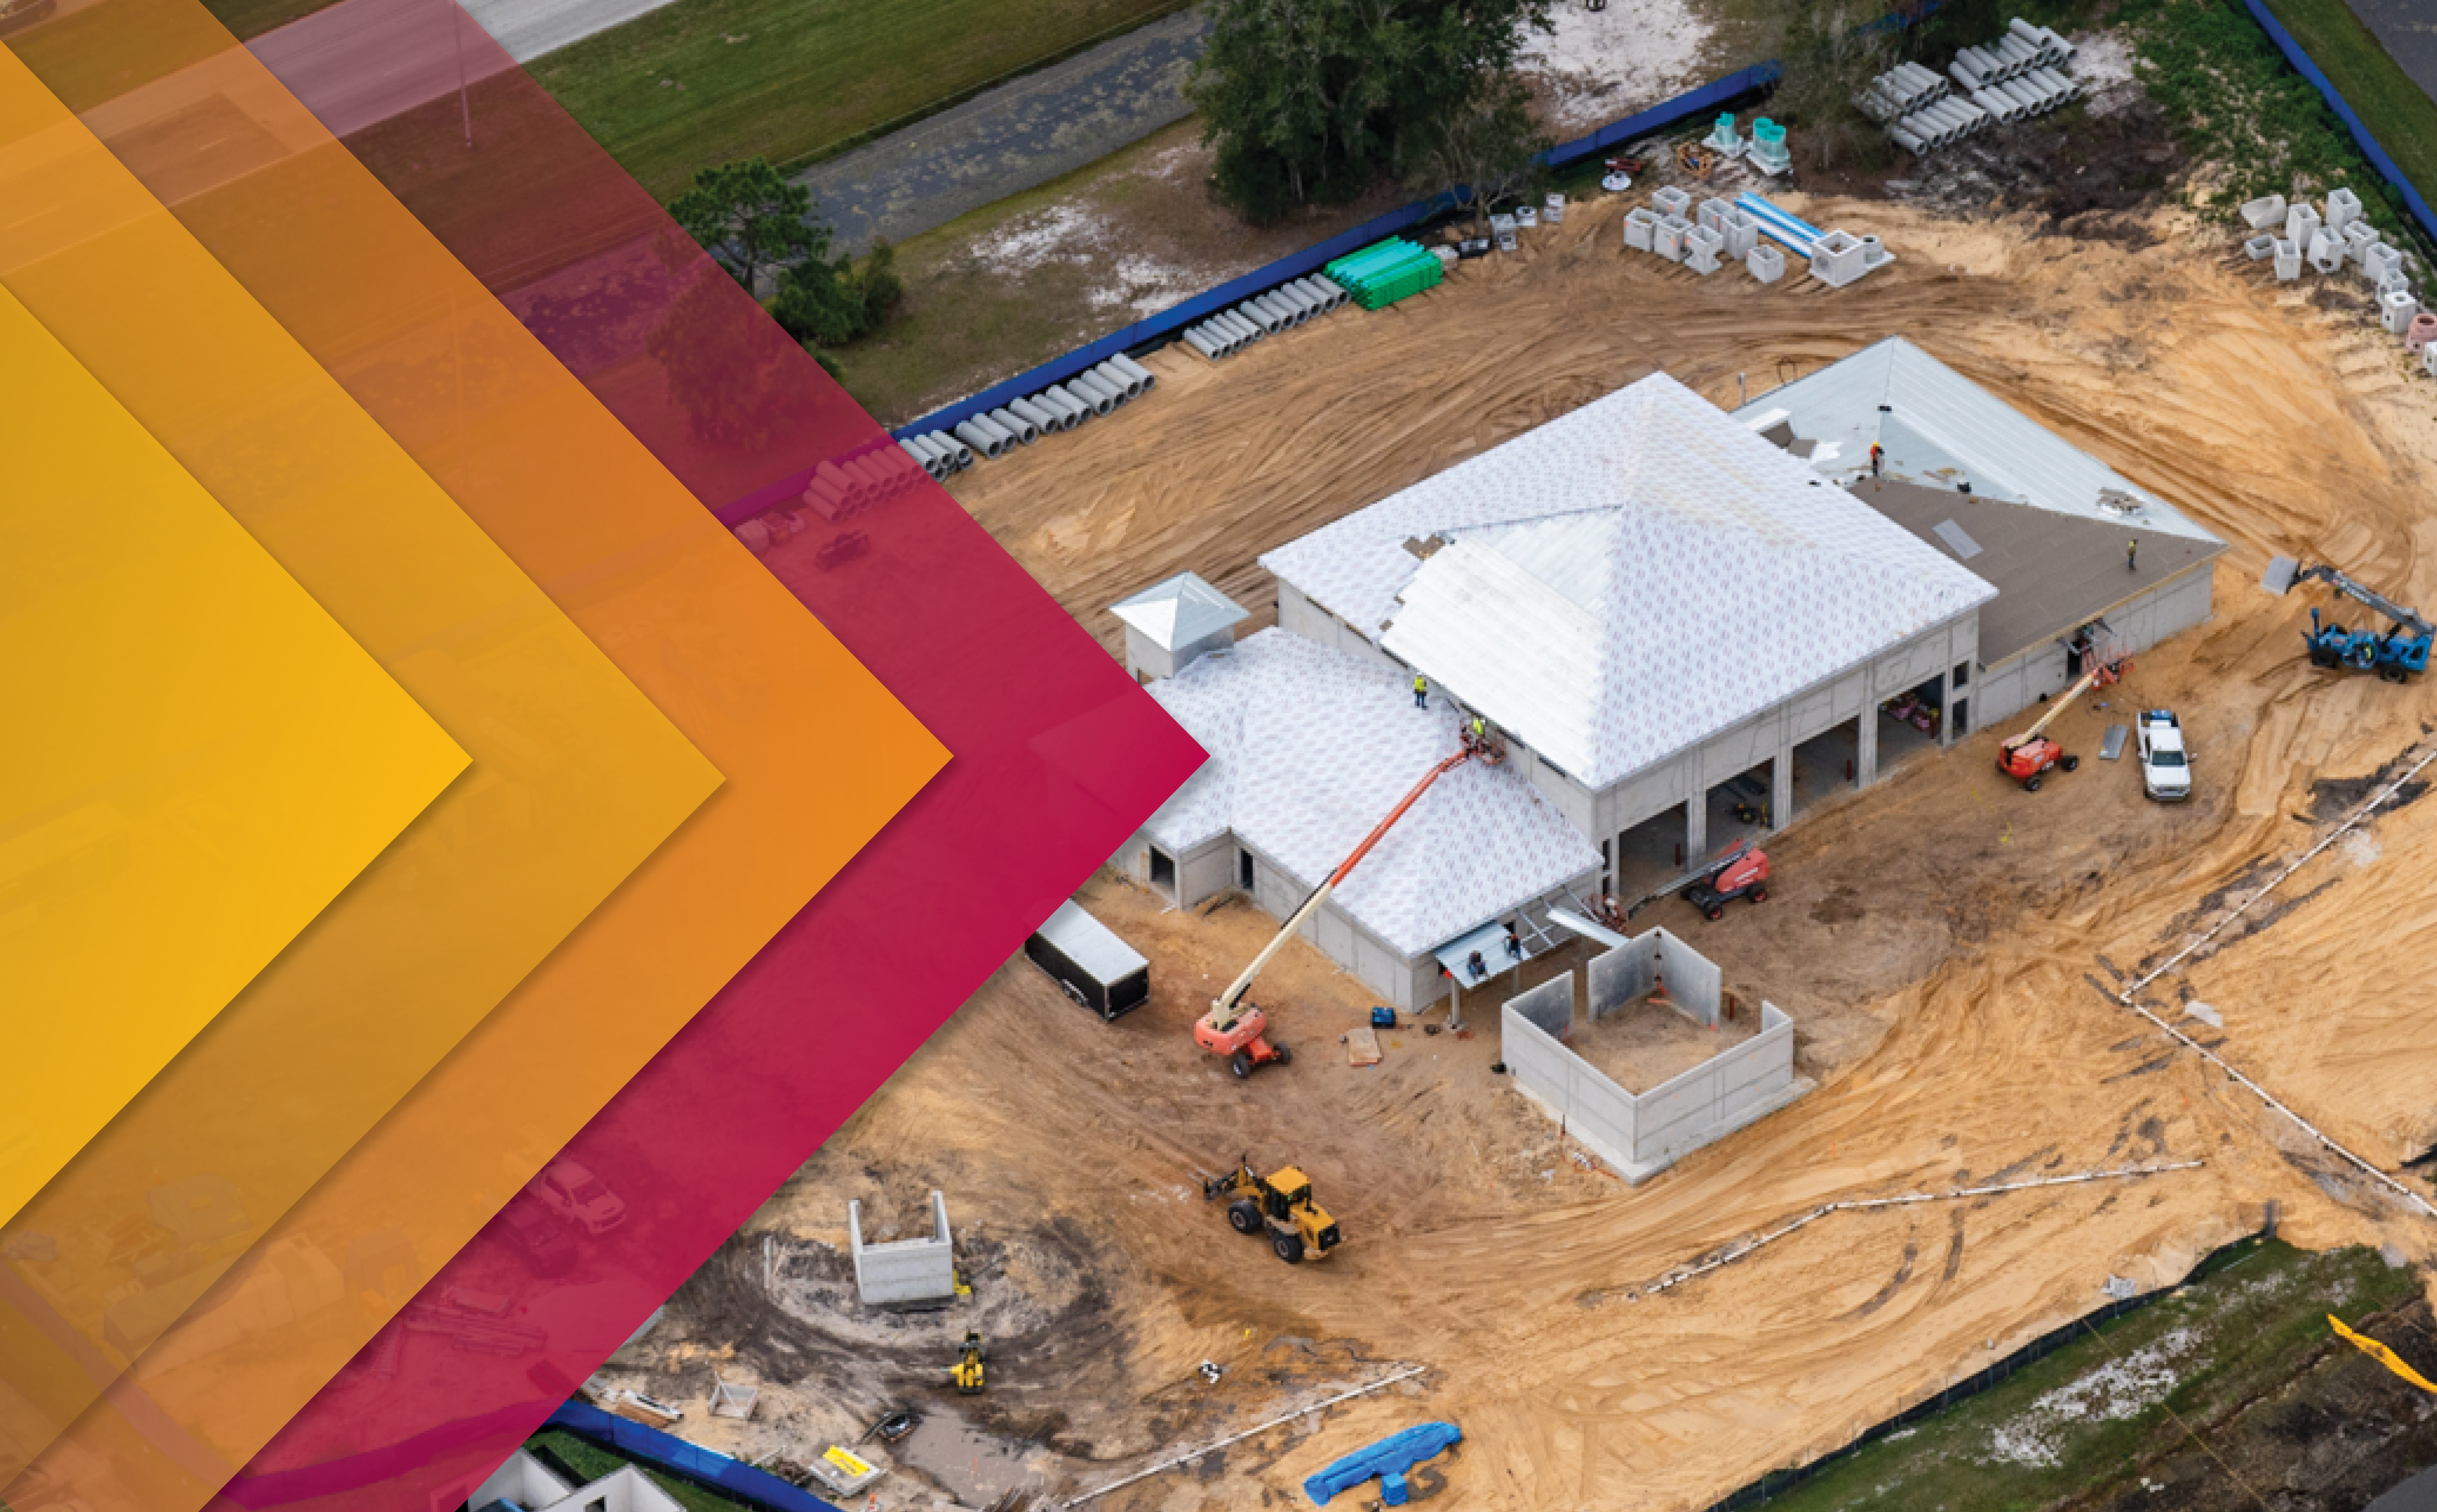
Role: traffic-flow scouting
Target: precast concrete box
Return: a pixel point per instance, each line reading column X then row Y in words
column 1640, row 1135
column 905, row 1274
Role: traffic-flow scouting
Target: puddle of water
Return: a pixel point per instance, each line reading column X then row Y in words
column 977, row 1468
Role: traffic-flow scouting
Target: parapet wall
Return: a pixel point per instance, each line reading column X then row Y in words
column 914, row 1272
column 1642, row 1136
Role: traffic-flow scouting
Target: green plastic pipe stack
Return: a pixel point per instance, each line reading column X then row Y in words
column 1382, row 274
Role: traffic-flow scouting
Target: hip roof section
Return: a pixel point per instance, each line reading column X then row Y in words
column 1311, row 747
column 1628, row 579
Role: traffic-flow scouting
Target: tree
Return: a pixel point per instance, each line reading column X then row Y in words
column 1312, row 102
column 1830, row 58
column 830, row 304
column 751, row 220
column 1485, row 154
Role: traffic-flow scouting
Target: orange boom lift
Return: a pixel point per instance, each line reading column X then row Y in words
column 1239, row 1030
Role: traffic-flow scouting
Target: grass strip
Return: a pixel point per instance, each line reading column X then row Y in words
column 588, row 1462
column 2093, row 1413
column 2397, row 112
column 702, row 83
column 2234, row 101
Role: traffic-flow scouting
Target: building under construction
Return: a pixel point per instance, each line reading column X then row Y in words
column 1687, row 626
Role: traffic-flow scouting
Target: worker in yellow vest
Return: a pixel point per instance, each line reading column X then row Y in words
column 1421, row 690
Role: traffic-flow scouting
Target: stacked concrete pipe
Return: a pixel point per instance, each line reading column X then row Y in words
column 1266, row 313
column 843, row 487
column 1057, row 408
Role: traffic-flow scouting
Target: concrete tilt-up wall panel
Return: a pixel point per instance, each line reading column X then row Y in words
column 1693, row 982
column 1622, row 974
column 1550, row 1006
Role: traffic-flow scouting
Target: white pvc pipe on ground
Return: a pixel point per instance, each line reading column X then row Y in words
column 923, row 459
column 1910, row 143
column 1044, row 417
column 1015, row 425
column 1136, row 370
column 990, row 426
column 1330, row 287
column 1113, row 374
column 1194, row 338
column 1252, row 310
column 981, row 440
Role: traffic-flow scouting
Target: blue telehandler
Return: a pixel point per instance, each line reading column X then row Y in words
column 2394, row 655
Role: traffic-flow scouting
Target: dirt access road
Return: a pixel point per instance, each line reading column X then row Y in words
column 1947, row 944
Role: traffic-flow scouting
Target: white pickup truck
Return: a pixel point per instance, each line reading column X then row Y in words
column 2166, row 766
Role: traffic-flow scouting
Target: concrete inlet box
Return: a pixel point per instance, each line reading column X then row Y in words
column 1838, row 258
column 1639, row 1135
column 905, row 1274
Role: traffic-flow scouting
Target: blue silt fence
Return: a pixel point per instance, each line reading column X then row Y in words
column 649, row 1446
column 1168, row 323
column 2378, row 158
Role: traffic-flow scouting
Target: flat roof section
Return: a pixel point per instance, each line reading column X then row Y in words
column 1939, row 429
column 2054, row 572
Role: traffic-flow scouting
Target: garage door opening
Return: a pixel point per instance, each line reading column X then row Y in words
column 1739, row 807
column 1162, row 872
column 1909, row 723
column 1651, row 855
column 1827, row 764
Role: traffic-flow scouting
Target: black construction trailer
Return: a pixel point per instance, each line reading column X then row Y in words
column 1089, row 962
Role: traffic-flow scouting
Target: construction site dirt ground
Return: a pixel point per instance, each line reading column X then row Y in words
column 1947, row 945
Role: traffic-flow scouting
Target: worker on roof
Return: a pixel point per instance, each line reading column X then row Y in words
column 1421, row 690
column 1477, row 730
column 2133, row 555
column 1878, row 459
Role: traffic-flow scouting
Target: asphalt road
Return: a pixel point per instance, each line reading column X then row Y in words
column 361, row 62
column 2407, row 30
column 1015, row 137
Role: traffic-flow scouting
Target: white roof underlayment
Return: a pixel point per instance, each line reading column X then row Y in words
column 1940, row 429
column 1179, row 611
column 1311, row 747
column 1628, row 579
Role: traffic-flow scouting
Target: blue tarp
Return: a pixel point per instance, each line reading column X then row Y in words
column 1389, row 1459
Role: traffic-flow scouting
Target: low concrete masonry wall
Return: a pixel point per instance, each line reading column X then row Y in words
column 914, row 1272
column 1640, row 1136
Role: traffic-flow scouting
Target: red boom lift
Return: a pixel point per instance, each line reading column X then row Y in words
column 1239, row 1030
column 2027, row 756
